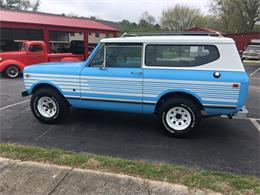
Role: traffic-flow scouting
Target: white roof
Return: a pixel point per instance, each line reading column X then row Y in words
column 169, row 39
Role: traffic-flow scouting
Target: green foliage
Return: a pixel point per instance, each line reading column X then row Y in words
column 146, row 24
column 20, row 4
column 237, row 16
column 180, row 18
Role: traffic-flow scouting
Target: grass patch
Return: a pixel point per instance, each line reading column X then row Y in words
column 203, row 179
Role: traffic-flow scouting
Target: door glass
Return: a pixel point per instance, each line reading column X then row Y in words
column 124, row 56
column 98, row 60
column 35, row 48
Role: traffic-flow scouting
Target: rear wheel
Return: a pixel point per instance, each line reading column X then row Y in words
column 180, row 116
column 12, row 71
column 48, row 106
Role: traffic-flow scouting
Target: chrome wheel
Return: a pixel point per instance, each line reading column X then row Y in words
column 178, row 118
column 12, row 71
column 47, row 107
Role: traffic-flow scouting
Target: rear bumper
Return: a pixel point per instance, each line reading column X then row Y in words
column 25, row 93
column 250, row 57
column 242, row 113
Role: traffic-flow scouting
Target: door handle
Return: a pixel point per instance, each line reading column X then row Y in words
column 137, row 73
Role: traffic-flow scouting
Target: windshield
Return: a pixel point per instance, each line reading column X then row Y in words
column 24, row 47
column 253, row 47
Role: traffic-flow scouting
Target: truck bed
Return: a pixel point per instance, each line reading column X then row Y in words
column 57, row 56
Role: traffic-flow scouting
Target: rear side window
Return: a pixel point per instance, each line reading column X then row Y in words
column 123, row 56
column 180, row 55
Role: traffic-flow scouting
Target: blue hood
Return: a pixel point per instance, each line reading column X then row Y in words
column 68, row 68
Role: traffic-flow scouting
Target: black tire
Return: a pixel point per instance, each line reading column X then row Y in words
column 169, row 116
column 12, row 71
column 60, row 106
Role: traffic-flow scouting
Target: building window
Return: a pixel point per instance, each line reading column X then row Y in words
column 96, row 35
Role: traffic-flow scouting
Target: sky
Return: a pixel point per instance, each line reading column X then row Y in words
column 116, row 10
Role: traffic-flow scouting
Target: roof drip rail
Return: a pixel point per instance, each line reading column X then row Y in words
column 212, row 34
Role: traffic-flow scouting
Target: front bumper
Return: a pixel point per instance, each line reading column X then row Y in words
column 242, row 113
column 25, row 93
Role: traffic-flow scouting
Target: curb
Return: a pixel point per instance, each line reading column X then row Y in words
column 25, row 177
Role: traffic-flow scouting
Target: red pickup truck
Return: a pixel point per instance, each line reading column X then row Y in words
column 32, row 52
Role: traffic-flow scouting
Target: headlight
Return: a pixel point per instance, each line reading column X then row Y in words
column 1, row 59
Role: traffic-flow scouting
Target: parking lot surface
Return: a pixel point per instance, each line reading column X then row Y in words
column 219, row 144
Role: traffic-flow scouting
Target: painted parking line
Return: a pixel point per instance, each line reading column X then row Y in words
column 252, row 74
column 253, row 120
column 12, row 105
column 45, row 132
column 255, row 123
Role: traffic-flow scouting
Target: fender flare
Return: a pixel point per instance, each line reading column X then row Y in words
column 69, row 59
column 6, row 63
column 187, row 93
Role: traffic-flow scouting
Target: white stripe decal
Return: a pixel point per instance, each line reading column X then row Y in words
column 205, row 91
column 121, row 94
column 70, row 87
column 219, row 100
column 215, row 87
column 72, row 96
column 111, row 78
column 53, row 75
column 113, row 99
column 52, row 79
column 112, row 93
column 129, row 79
column 220, row 105
column 187, row 81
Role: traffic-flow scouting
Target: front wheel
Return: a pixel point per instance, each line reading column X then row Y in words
column 48, row 106
column 12, row 71
column 180, row 116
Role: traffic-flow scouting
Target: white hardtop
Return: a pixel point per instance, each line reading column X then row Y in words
column 170, row 39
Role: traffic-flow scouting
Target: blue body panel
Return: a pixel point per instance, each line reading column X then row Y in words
column 201, row 84
column 139, row 89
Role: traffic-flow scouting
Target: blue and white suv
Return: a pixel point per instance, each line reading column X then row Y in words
column 179, row 78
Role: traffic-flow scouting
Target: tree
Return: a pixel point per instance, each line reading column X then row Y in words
column 147, row 18
column 20, row 4
column 179, row 18
column 36, row 5
column 146, row 24
column 237, row 15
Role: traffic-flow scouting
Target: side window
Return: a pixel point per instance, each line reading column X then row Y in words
column 35, row 48
column 98, row 60
column 124, row 56
column 180, row 55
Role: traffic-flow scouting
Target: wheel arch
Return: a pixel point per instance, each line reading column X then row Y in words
column 176, row 94
column 38, row 86
column 6, row 63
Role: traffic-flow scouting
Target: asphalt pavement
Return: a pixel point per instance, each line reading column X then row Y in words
column 219, row 144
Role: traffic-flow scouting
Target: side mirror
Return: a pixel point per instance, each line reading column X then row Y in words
column 102, row 67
